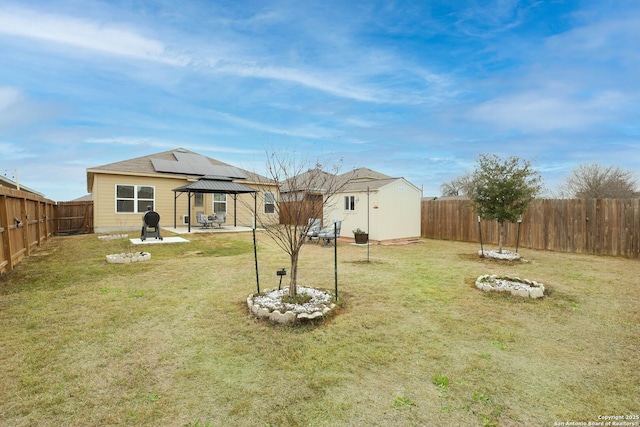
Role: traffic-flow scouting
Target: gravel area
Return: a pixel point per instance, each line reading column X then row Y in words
column 273, row 300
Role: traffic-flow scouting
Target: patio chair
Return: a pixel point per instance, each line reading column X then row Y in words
column 204, row 220
column 150, row 225
column 220, row 218
column 314, row 228
column 330, row 233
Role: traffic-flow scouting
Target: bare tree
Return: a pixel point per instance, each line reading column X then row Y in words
column 462, row 185
column 599, row 182
column 306, row 191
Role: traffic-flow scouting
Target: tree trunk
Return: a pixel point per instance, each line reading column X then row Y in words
column 501, row 237
column 293, row 284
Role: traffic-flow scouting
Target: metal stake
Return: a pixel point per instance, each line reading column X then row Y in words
column 518, row 238
column 255, row 246
column 335, row 256
column 480, row 229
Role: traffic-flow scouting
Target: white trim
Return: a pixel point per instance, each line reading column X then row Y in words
column 214, row 201
column 352, row 202
column 264, row 203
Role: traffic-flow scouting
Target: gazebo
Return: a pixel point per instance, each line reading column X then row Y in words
column 213, row 184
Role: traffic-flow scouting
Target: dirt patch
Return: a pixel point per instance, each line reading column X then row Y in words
column 400, row 242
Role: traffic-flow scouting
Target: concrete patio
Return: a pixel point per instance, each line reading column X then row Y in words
column 199, row 229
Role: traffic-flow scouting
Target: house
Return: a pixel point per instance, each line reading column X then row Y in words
column 385, row 207
column 178, row 184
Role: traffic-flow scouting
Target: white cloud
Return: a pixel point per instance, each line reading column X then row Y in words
column 119, row 40
column 373, row 75
column 132, row 141
column 606, row 38
column 492, row 17
column 311, row 79
column 163, row 144
column 9, row 96
column 547, row 110
column 16, row 110
column 12, row 151
column 84, row 33
column 304, row 132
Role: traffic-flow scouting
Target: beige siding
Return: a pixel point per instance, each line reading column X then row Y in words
column 106, row 219
column 397, row 212
column 265, row 218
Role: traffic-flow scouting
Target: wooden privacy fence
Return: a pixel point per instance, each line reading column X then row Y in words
column 26, row 220
column 298, row 213
column 593, row 226
column 74, row 217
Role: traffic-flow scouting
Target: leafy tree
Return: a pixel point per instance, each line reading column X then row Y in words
column 503, row 188
column 600, row 182
column 306, row 191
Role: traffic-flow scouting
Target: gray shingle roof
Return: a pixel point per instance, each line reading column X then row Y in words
column 145, row 166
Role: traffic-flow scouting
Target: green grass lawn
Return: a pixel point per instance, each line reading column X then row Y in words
column 169, row 342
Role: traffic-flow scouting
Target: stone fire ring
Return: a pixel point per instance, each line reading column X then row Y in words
column 266, row 306
column 128, row 258
column 516, row 286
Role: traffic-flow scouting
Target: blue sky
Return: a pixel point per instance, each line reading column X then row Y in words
column 409, row 88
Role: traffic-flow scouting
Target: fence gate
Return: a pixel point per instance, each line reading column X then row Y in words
column 74, row 217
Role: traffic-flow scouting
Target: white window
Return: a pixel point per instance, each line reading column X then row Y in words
column 134, row 198
column 219, row 203
column 269, row 203
column 349, row 203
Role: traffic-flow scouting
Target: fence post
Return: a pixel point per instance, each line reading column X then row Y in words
column 39, row 222
column 6, row 233
column 24, row 213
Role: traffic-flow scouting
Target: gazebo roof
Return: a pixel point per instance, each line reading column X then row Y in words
column 215, row 184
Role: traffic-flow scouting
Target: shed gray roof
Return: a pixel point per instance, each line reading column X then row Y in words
column 315, row 180
column 373, row 184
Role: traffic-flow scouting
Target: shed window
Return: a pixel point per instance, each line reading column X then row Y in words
column 134, row 198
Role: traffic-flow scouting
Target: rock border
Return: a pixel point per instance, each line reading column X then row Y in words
column 494, row 254
column 113, row 236
column 128, row 258
column 290, row 316
column 516, row 286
